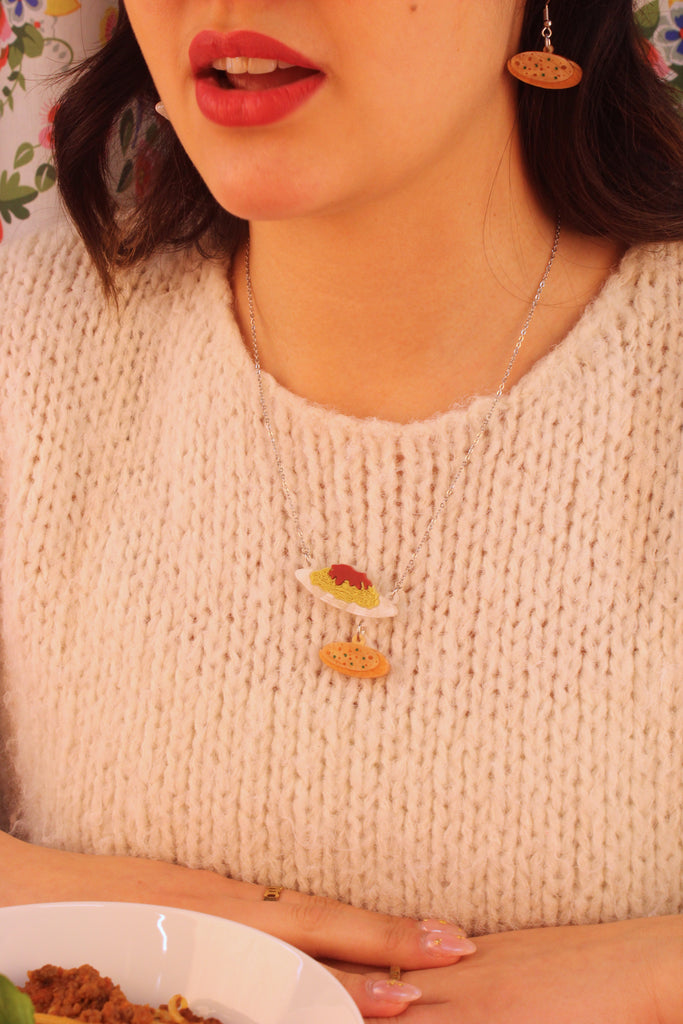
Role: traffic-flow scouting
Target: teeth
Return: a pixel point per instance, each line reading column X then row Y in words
column 248, row 65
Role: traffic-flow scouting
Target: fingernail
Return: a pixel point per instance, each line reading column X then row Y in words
column 444, row 939
column 393, row 991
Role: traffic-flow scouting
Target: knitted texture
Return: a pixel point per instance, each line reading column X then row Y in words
column 521, row 764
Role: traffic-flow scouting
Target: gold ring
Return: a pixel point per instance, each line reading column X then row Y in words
column 272, row 893
column 394, row 974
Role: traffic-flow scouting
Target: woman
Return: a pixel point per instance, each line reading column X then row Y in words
column 436, row 378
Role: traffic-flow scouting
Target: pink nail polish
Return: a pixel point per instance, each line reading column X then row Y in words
column 444, row 939
column 434, row 924
column 393, row 991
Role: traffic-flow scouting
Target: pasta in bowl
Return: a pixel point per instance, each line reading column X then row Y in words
column 155, row 952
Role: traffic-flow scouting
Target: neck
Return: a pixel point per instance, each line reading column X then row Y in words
column 401, row 308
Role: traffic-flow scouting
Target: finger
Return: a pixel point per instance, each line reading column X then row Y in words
column 377, row 995
column 350, row 968
column 445, row 998
column 426, row 1013
column 325, row 928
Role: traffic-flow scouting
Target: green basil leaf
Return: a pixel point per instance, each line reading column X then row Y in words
column 15, row 1006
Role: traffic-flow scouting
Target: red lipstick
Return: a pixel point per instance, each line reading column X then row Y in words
column 241, row 101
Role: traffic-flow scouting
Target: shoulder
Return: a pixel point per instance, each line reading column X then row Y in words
column 634, row 337
column 35, row 270
column 648, row 309
column 648, row 286
column 52, row 299
column 54, row 270
column 66, row 350
column 634, row 327
column 641, row 261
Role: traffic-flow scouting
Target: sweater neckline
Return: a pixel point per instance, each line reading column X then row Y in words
column 583, row 349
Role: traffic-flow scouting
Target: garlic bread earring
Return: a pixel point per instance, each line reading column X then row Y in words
column 545, row 68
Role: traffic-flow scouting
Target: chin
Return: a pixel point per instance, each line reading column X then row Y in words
column 272, row 200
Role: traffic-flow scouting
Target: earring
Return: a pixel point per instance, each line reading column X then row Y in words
column 161, row 110
column 545, row 68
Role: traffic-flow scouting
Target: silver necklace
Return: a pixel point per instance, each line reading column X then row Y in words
column 343, row 586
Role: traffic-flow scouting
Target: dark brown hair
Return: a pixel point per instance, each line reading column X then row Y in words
column 607, row 155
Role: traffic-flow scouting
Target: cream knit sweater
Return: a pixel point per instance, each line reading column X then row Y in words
column 522, row 762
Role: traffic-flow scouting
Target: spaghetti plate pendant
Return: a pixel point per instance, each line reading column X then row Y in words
column 349, row 590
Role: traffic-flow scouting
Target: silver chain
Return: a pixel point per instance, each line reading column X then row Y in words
column 291, row 504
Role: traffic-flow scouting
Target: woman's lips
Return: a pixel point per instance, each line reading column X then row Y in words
column 206, row 47
column 244, row 100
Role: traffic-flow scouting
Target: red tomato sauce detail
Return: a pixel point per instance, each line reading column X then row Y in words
column 83, row 994
column 347, row 574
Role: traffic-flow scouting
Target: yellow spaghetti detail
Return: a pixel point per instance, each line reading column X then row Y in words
column 175, row 1004
column 368, row 598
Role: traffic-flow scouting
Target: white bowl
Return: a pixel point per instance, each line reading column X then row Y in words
column 238, row 974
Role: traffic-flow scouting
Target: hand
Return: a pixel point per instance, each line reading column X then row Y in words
column 322, row 928
column 623, row 973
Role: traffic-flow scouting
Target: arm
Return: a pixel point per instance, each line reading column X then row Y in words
column 320, row 927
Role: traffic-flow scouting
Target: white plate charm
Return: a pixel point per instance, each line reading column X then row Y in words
column 346, row 588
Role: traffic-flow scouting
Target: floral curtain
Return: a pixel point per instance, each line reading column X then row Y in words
column 39, row 38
